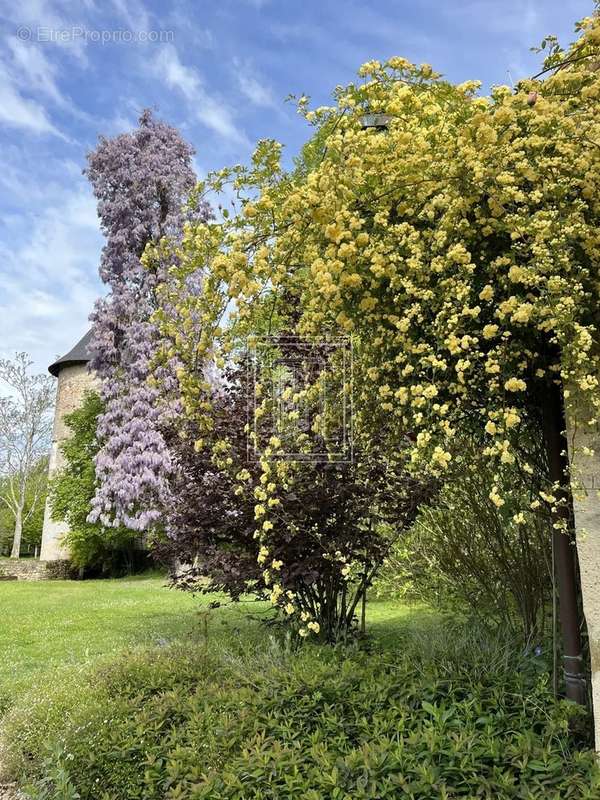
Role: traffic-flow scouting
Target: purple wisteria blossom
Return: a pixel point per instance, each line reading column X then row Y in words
column 141, row 181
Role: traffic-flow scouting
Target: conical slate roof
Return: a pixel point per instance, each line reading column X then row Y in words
column 78, row 355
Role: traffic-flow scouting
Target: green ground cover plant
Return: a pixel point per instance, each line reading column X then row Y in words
column 229, row 708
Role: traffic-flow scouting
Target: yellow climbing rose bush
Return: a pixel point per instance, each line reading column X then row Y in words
column 454, row 237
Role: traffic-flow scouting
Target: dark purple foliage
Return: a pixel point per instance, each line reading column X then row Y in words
column 338, row 514
column 330, row 516
column 211, row 524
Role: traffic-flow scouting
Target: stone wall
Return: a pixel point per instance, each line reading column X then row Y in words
column 24, row 569
column 586, row 473
column 74, row 381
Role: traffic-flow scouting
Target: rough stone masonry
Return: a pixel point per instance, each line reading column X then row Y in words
column 74, row 380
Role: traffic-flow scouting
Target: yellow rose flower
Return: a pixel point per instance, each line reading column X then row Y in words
column 515, row 385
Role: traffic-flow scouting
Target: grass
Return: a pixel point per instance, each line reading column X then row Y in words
column 141, row 690
column 56, row 624
column 68, row 625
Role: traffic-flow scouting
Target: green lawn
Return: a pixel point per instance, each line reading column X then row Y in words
column 47, row 625
column 69, row 624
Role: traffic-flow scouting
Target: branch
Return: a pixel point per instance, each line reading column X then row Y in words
column 560, row 65
column 12, row 510
column 39, row 483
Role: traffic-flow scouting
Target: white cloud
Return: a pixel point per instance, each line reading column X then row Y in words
column 43, row 17
column 26, row 189
column 31, row 72
column 210, row 110
column 26, row 77
column 20, row 112
column 258, row 94
column 177, row 75
column 254, row 88
column 27, row 12
column 34, row 68
column 177, row 18
column 134, row 13
column 48, row 282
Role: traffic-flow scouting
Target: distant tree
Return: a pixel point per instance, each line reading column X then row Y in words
column 141, row 180
column 32, row 522
column 90, row 544
column 25, row 430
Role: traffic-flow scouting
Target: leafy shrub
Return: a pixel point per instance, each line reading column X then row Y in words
column 318, row 723
column 327, row 542
column 92, row 547
column 467, row 552
column 61, row 570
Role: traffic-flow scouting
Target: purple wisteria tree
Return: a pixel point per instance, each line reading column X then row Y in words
column 141, row 181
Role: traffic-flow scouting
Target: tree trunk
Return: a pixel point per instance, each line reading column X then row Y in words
column 363, row 613
column 16, row 547
column 564, row 543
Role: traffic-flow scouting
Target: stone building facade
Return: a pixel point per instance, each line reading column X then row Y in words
column 73, row 381
column 584, row 444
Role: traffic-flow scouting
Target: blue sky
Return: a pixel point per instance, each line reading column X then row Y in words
column 220, row 71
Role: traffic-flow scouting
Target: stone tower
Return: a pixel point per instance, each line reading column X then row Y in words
column 74, row 380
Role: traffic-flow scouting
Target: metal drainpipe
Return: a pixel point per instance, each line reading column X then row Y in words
column 554, row 425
